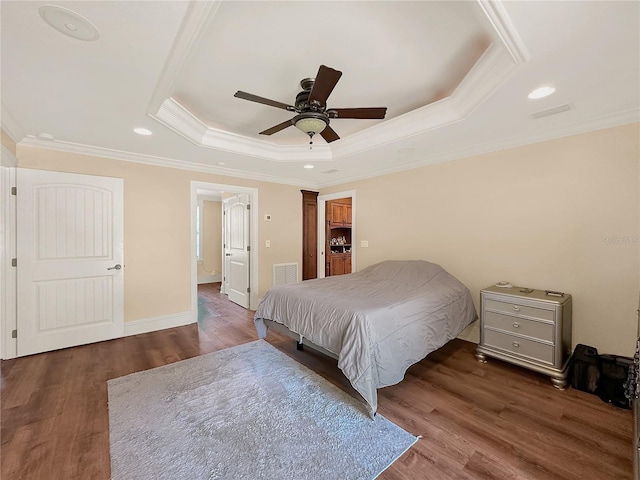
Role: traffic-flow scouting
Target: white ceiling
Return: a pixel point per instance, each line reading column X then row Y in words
column 454, row 76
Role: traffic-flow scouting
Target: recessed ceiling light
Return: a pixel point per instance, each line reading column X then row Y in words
column 308, row 166
column 541, row 92
column 142, row 131
column 69, row 22
column 222, row 164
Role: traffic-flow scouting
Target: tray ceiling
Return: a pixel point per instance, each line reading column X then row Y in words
column 453, row 75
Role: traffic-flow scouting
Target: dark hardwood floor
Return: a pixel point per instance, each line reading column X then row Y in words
column 477, row 421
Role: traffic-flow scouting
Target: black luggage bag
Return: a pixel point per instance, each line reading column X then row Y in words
column 585, row 368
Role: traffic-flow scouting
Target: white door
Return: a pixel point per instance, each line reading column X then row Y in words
column 70, row 260
column 225, row 248
column 237, row 250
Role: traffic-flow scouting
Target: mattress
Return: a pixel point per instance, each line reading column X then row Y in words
column 378, row 322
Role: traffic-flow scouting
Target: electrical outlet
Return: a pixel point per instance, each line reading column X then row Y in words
column 267, row 243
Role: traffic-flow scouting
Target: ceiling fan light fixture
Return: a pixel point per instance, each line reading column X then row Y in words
column 310, row 123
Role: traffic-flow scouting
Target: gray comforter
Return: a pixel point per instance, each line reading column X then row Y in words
column 378, row 321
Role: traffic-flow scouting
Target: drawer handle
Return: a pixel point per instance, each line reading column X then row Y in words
column 516, row 344
column 516, row 325
column 516, row 308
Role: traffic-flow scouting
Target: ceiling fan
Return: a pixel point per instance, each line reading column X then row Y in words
column 313, row 116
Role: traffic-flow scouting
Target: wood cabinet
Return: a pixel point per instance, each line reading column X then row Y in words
column 309, row 234
column 338, row 241
column 339, row 213
column 526, row 327
column 339, row 264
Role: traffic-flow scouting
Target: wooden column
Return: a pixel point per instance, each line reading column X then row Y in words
column 309, row 234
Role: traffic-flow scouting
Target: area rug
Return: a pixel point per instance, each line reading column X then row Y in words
column 247, row 412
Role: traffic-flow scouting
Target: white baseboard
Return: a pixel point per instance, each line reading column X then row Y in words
column 209, row 278
column 146, row 325
column 471, row 333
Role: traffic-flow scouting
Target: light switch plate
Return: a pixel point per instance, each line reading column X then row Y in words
column 364, row 243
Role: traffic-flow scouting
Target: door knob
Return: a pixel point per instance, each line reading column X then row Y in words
column 117, row 266
column 228, row 254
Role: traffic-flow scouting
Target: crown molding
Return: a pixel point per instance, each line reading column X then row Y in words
column 7, row 159
column 112, row 154
column 501, row 22
column 493, row 69
column 412, row 123
column 176, row 117
column 598, row 123
column 490, row 71
column 9, row 124
column 195, row 23
column 594, row 124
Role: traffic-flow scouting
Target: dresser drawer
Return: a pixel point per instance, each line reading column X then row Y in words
column 520, row 310
column 540, row 352
column 521, row 326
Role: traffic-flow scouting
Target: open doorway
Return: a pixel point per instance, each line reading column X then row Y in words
column 223, row 227
column 209, row 252
column 209, row 233
column 324, row 254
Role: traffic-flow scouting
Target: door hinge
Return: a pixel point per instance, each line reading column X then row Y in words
column 248, row 248
column 14, row 262
column 14, row 333
column 14, row 190
column 248, row 206
column 248, row 289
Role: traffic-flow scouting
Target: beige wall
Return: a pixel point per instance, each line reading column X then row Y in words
column 211, row 263
column 157, row 226
column 561, row 215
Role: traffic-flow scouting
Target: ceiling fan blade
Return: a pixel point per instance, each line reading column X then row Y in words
column 264, row 101
column 370, row 113
column 329, row 134
column 324, row 84
column 277, row 128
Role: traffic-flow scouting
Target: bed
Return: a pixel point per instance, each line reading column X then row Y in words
column 376, row 322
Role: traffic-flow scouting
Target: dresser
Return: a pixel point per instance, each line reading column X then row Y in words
column 529, row 328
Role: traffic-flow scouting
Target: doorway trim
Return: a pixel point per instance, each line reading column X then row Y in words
column 322, row 209
column 8, row 317
column 253, row 253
